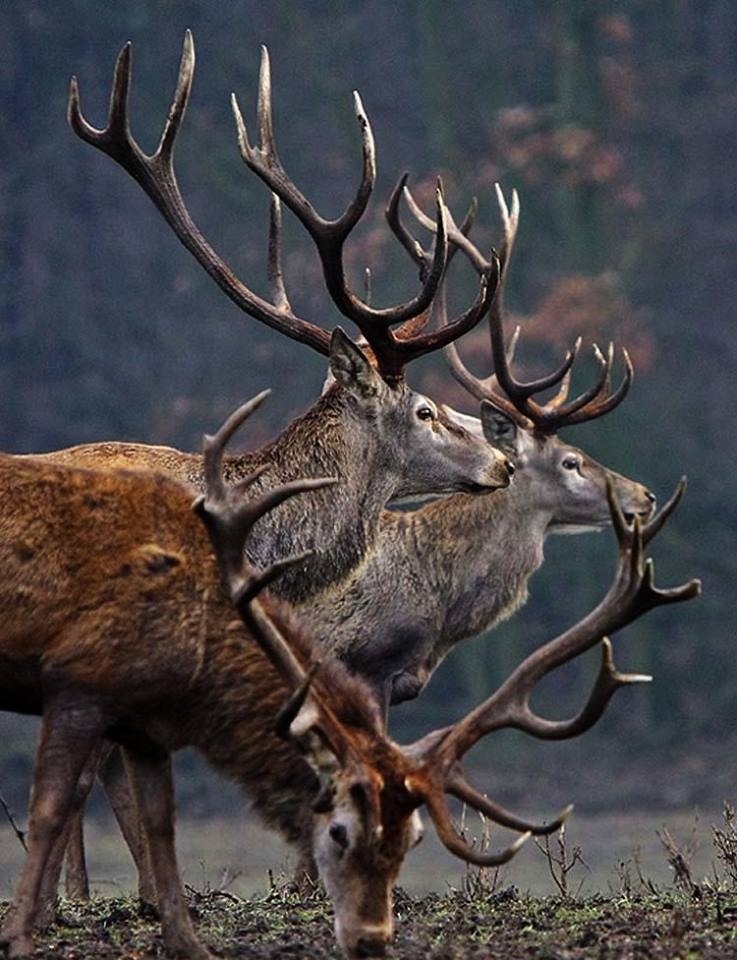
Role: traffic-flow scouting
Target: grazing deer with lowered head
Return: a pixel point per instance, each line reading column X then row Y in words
column 452, row 569
column 119, row 624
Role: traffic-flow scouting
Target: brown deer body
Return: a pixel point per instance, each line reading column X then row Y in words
column 117, row 625
column 111, row 596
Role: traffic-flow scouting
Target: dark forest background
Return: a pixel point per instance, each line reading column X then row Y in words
column 616, row 121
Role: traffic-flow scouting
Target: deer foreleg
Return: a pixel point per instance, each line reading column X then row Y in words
column 70, row 845
column 70, row 738
column 154, row 795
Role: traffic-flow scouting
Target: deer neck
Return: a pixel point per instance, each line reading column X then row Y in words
column 234, row 704
column 477, row 554
column 338, row 523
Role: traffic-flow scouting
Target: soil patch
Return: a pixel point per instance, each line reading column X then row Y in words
column 504, row 925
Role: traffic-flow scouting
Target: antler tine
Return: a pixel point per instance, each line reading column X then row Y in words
column 411, row 244
column 562, row 395
column 367, row 284
column 428, row 342
column 294, row 704
column 115, row 137
column 443, row 822
column 520, row 393
column 179, row 102
column 437, row 315
column 275, row 267
column 592, row 403
column 214, row 447
column 263, row 107
column 155, row 174
column 477, row 387
column 517, row 400
column 456, row 235
column 558, row 411
column 558, row 404
column 631, row 594
column 603, row 404
column 608, row 681
column 263, row 578
column 656, row 524
column 457, row 786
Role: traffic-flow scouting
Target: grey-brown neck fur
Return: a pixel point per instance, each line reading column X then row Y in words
column 445, row 572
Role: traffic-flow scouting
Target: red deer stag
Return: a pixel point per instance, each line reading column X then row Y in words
column 119, row 624
column 449, row 571
column 381, row 439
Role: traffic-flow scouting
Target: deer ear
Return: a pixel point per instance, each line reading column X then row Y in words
column 499, row 428
column 351, row 368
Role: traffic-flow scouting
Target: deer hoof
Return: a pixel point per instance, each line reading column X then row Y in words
column 16, row 947
column 46, row 915
column 189, row 949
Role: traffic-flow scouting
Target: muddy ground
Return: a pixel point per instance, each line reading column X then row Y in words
column 503, row 925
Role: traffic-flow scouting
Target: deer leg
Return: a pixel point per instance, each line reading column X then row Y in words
column 115, row 780
column 151, row 778
column 70, row 738
column 70, row 845
column 76, row 881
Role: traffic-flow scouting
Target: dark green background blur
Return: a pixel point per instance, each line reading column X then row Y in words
column 617, row 122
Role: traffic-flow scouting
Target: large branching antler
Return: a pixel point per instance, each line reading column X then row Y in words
column 155, row 174
column 502, row 388
column 392, row 352
column 631, row 594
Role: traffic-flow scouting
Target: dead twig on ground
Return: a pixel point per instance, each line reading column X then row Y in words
column 725, row 841
column 20, row 834
column 679, row 859
column 561, row 863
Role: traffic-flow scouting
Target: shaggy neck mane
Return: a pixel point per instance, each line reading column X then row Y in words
column 238, row 697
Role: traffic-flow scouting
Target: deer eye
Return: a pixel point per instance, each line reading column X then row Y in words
column 571, row 463
column 425, row 413
column 339, row 834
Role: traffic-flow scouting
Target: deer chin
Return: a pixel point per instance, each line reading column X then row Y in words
column 476, row 488
column 567, row 529
column 406, row 500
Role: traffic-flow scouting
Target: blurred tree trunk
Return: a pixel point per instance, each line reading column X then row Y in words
column 579, row 105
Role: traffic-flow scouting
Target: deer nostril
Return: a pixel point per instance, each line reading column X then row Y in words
column 370, row 947
column 510, row 467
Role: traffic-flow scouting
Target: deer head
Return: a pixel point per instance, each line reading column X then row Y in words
column 380, row 396
column 564, row 481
